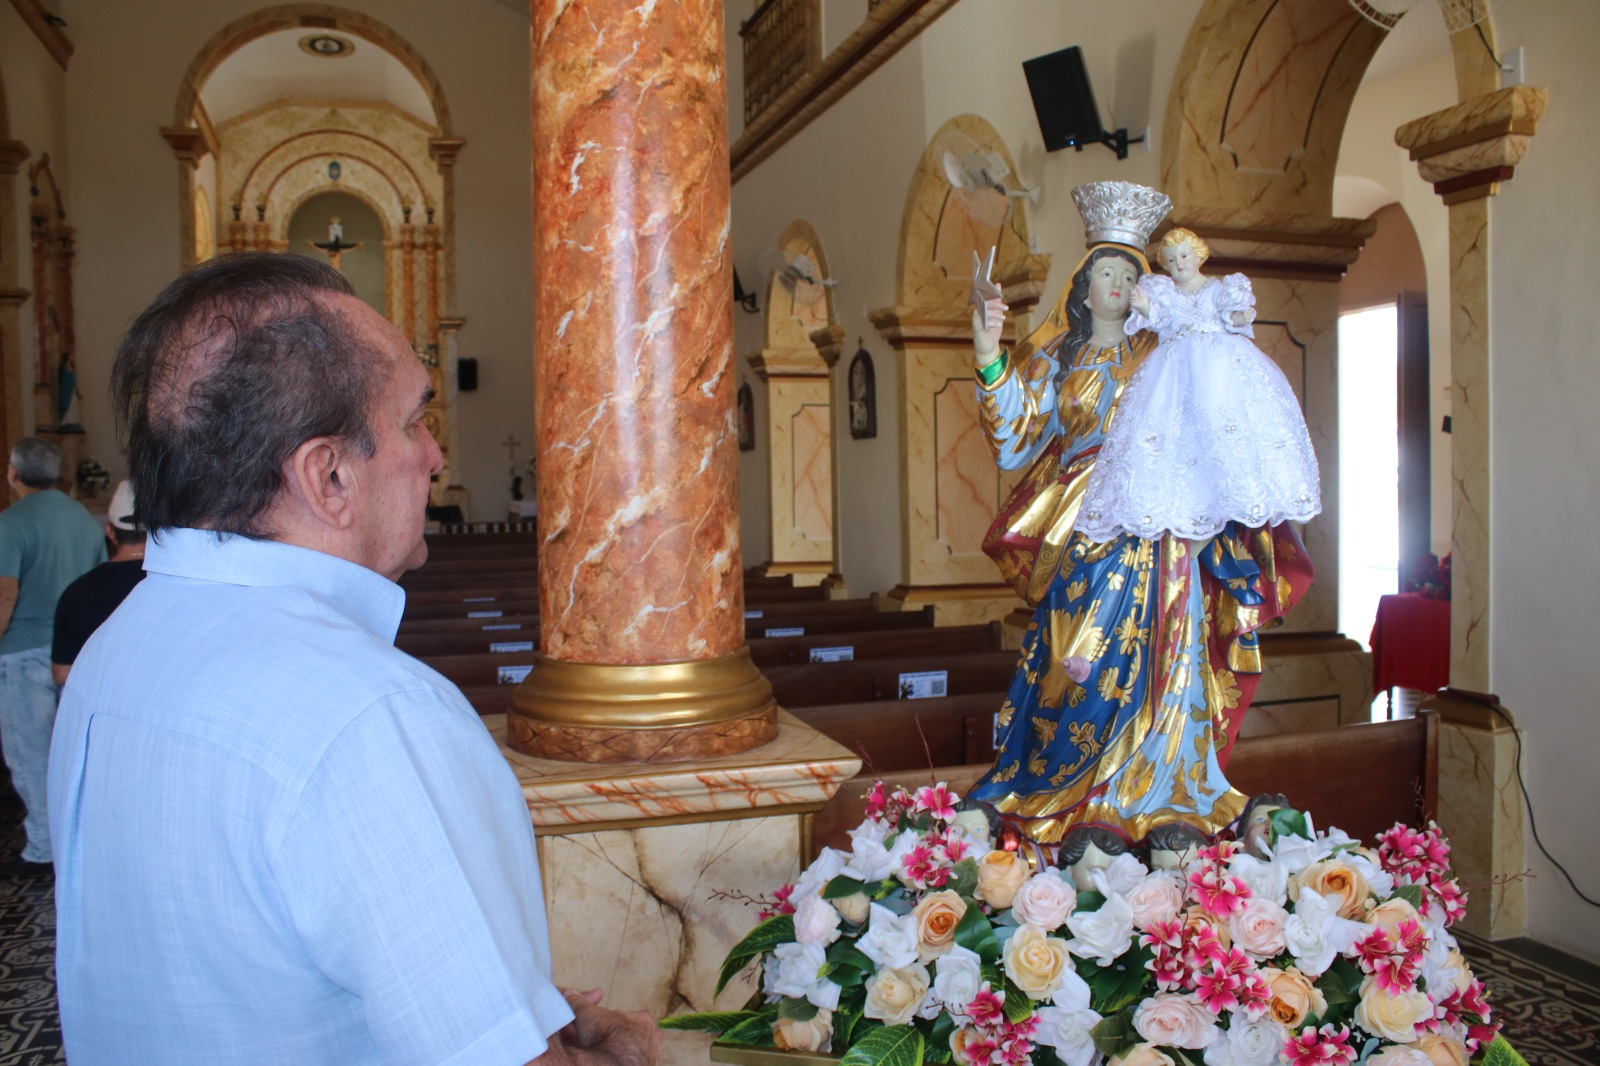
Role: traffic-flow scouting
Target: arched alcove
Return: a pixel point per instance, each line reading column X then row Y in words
column 321, row 217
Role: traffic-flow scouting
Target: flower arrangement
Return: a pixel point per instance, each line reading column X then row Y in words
column 924, row 943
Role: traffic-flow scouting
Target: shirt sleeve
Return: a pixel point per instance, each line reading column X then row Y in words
column 68, row 637
column 410, row 874
column 10, row 553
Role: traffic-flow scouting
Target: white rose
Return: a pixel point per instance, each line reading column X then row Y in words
column 870, row 860
column 1067, row 1030
column 959, row 979
column 1247, row 1043
column 793, row 972
column 899, row 847
column 1257, row 927
column 1315, row 934
column 1399, row 1055
column 827, row 865
column 1158, row 898
column 1296, row 853
column 1104, row 934
column 890, row 941
column 1122, row 874
column 1266, row 880
column 815, row 1034
column 1044, row 900
column 1380, row 880
column 815, row 921
column 1175, row 1020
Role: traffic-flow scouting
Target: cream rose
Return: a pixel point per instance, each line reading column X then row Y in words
column 854, row 908
column 1442, row 1050
column 812, row 1035
column 1391, row 1015
column 1000, row 874
column 1340, row 880
column 893, row 995
column 935, row 920
column 1293, row 997
column 1044, row 900
column 1390, row 913
column 1035, row 962
column 1257, row 927
column 1158, row 898
column 1144, row 1055
column 815, row 921
column 1398, row 1055
column 1176, row 1021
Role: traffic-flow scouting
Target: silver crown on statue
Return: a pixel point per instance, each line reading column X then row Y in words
column 1120, row 212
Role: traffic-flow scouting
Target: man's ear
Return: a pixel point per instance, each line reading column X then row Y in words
column 324, row 483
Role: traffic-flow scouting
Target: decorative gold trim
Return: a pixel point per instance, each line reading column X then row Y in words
column 804, row 811
column 645, row 696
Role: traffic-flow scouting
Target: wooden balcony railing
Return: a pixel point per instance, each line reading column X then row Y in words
column 782, row 44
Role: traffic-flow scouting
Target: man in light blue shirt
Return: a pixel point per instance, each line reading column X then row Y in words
column 279, row 839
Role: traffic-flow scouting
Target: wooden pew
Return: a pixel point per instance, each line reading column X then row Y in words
column 894, row 736
column 877, row 644
column 468, row 671
column 812, row 684
column 829, row 616
column 506, row 623
column 1359, row 778
column 424, row 612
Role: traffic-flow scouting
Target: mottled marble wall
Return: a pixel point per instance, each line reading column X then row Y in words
column 1481, row 810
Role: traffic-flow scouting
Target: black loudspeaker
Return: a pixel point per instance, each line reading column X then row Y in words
column 1063, row 100
column 466, row 375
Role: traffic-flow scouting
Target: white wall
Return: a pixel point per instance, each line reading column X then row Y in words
column 1545, row 509
column 1368, row 151
column 122, row 88
column 849, row 173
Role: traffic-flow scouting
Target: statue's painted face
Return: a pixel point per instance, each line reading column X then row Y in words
column 1111, row 282
column 1182, row 262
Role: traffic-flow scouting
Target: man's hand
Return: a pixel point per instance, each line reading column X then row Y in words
column 598, row 1035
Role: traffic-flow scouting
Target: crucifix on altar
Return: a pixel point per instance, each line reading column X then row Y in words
column 335, row 245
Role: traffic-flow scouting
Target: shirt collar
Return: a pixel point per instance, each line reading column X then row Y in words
column 370, row 599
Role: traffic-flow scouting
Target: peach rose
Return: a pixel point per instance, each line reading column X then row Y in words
column 1257, row 927
column 812, row 1035
column 1340, row 880
column 1144, row 1055
column 1391, row 1015
column 1293, row 997
column 1176, row 1021
column 893, row 995
column 1194, row 918
column 853, row 908
column 1158, row 898
column 1442, row 1050
column 1035, row 962
column 1390, row 913
column 1000, row 874
column 935, row 919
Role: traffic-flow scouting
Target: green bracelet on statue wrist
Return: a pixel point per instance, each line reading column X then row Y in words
column 990, row 373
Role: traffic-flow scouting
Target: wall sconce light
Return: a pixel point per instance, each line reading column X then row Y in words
column 746, row 300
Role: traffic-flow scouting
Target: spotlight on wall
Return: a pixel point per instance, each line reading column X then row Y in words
column 1064, row 103
column 746, row 300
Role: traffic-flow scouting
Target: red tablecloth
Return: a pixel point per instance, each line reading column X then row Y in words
column 1411, row 643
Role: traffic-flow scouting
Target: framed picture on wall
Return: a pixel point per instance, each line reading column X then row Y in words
column 747, row 419
column 863, row 393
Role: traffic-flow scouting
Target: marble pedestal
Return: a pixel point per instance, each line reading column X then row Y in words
column 1481, row 811
column 648, row 869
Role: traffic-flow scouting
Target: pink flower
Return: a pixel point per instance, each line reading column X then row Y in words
column 1417, row 855
column 954, row 848
column 1471, row 1009
column 924, row 869
column 1232, row 983
column 987, row 1008
column 1392, row 967
column 937, row 801
column 780, row 903
column 1325, row 1047
column 877, row 801
column 1218, row 892
column 1447, row 895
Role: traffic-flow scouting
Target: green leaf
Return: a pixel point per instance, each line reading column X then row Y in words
column 843, row 886
column 796, row 1008
column 892, row 1045
column 1501, row 1053
column 1017, row 1005
column 1089, row 900
column 1184, row 1058
column 845, row 953
column 1120, row 984
column 975, row 934
column 1412, row 894
column 964, row 878
column 713, row 1021
column 763, row 938
column 1114, row 1034
column 1286, row 821
column 844, row 1024
column 755, row 1031
column 939, row 1032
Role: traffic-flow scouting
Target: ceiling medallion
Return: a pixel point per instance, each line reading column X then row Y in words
column 327, row 46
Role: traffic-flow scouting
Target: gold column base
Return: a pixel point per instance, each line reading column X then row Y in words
column 655, row 712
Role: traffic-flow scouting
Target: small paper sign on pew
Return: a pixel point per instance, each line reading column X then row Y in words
column 785, row 631
column 478, row 599
column 925, row 684
column 513, row 675
column 503, row 625
column 754, row 614
column 502, row 647
column 843, row 654
column 486, row 614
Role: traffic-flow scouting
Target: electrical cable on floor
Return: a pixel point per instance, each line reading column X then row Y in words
column 1528, row 802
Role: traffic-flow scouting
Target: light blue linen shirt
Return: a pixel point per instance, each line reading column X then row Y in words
column 281, row 840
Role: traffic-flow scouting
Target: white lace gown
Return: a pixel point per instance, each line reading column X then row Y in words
column 1208, row 431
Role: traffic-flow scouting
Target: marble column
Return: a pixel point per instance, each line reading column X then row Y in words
column 1467, row 152
column 640, row 582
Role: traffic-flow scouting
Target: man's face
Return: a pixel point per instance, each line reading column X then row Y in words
column 393, row 485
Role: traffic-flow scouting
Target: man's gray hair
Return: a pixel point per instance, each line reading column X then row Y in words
column 38, row 462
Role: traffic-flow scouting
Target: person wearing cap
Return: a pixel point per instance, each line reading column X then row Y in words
column 47, row 539
column 89, row 601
